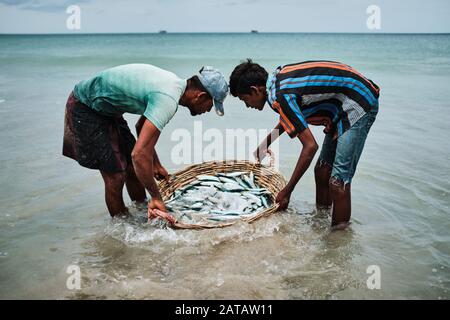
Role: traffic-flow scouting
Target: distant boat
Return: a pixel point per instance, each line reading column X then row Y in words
column 254, row 31
column 162, row 31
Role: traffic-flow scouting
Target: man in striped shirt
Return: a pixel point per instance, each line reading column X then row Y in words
column 325, row 93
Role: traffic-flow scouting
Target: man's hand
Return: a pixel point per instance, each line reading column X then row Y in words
column 260, row 153
column 263, row 148
column 156, row 208
column 283, row 199
column 160, row 173
column 155, row 204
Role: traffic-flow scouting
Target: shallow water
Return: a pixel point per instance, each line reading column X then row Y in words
column 53, row 214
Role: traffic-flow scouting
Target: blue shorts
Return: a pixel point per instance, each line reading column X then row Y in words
column 343, row 153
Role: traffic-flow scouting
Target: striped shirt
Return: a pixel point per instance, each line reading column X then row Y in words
column 320, row 89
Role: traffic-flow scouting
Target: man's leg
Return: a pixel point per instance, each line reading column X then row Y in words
column 341, row 175
column 135, row 189
column 113, row 192
column 342, row 208
column 348, row 151
column 322, row 172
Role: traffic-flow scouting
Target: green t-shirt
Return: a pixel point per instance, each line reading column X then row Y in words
column 134, row 88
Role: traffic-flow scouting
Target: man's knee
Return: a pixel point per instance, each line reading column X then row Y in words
column 338, row 188
column 114, row 180
column 322, row 171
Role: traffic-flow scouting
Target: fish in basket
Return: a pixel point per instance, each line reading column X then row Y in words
column 219, row 194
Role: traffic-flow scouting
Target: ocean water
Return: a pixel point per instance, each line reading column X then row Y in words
column 53, row 214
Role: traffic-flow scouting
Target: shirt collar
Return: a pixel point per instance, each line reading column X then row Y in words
column 270, row 86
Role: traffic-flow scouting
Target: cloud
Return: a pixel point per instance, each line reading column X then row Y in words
column 48, row 16
column 14, row 2
column 42, row 5
column 236, row 3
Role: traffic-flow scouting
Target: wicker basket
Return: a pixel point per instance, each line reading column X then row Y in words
column 265, row 176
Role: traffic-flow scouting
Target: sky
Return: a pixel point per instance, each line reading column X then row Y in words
column 112, row 16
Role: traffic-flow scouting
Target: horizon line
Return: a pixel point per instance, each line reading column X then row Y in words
column 165, row 32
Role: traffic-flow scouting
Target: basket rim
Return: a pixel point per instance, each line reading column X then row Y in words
column 167, row 188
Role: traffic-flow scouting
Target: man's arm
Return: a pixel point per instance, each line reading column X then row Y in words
column 261, row 151
column 139, row 125
column 294, row 123
column 143, row 158
column 158, row 170
column 307, row 154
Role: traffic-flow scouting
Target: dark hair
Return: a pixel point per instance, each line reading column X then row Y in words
column 245, row 75
column 195, row 83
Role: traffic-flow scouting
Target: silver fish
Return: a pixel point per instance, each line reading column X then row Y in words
column 193, row 199
column 169, row 201
column 232, row 187
column 174, row 197
column 226, row 196
column 257, row 190
column 227, row 213
column 186, row 214
column 264, row 201
column 235, row 174
column 249, row 181
column 211, row 183
column 189, row 187
column 191, row 184
column 213, row 200
column 197, row 205
column 252, row 178
column 242, row 183
column 204, row 177
column 251, row 196
column 227, row 180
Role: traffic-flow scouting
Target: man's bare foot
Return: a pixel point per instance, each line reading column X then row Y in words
column 340, row 226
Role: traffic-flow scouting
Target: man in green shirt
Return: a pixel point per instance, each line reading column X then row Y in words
column 97, row 136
